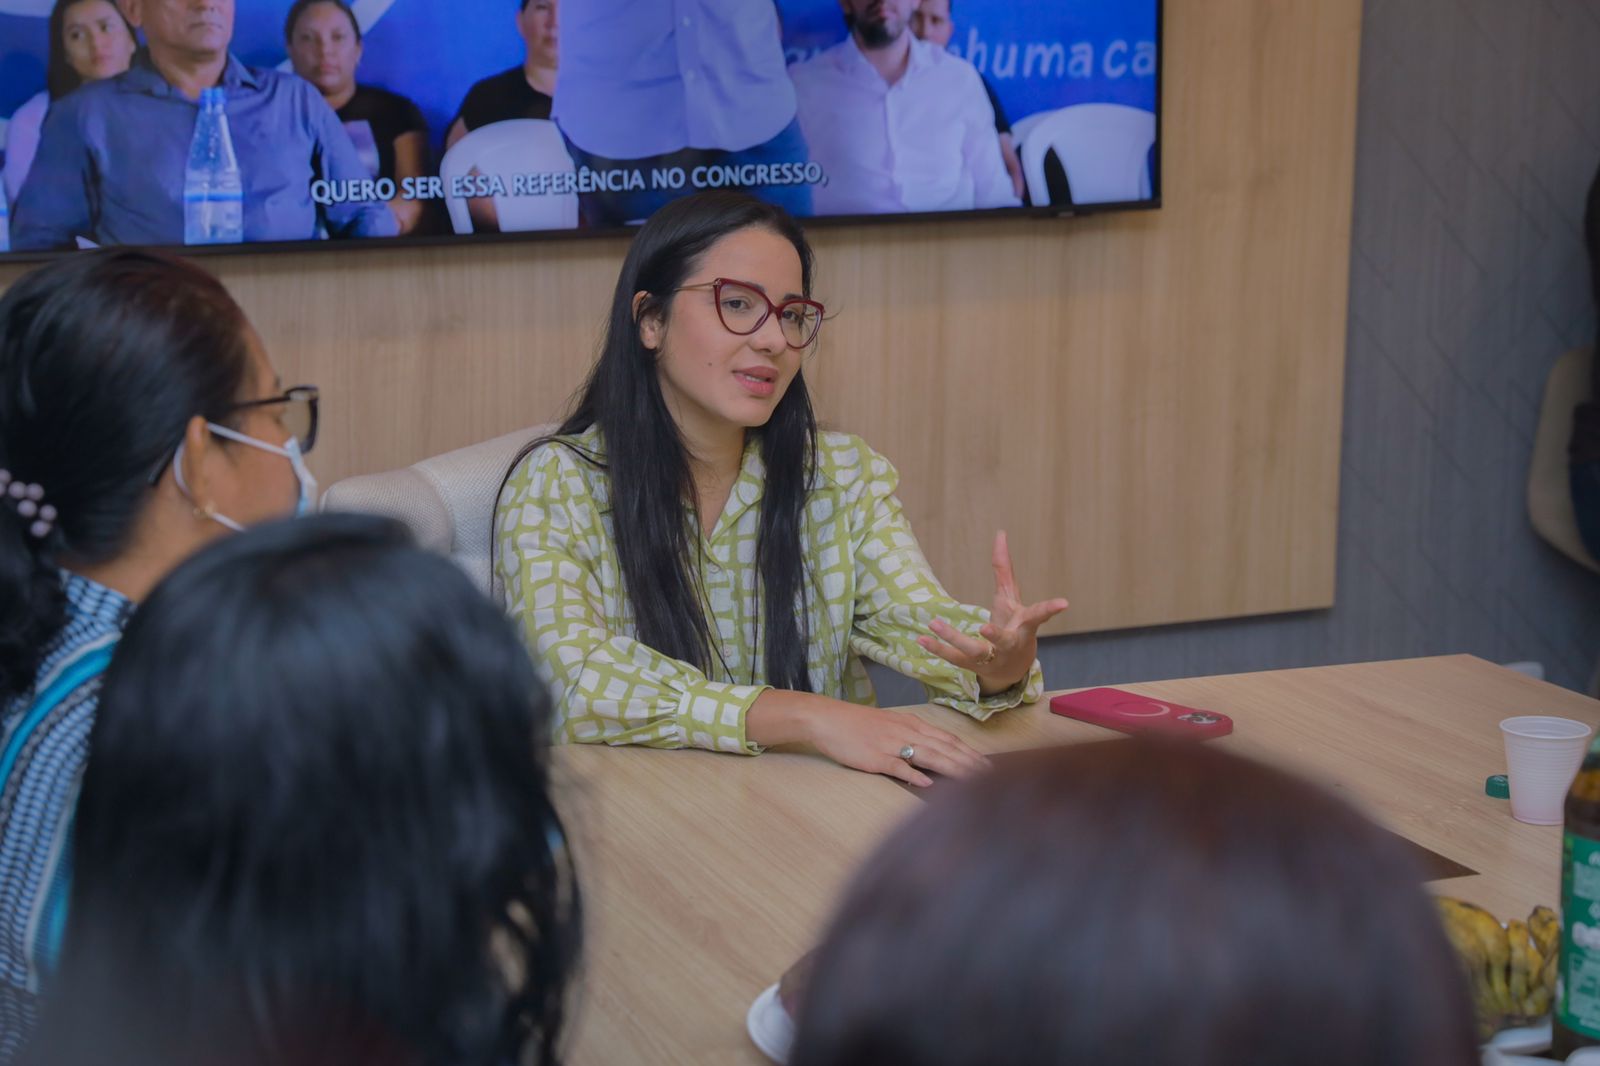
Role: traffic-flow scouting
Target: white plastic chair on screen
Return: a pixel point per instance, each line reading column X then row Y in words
column 515, row 146
column 1104, row 148
column 1020, row 128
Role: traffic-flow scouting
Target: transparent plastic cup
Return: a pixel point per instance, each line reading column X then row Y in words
column 1542, row 757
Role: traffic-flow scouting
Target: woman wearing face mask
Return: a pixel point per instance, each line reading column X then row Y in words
column 696, row 565
column 140, row 419
column 89, row 40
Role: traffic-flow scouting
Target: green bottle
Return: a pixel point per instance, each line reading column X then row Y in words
column 1577, row 1008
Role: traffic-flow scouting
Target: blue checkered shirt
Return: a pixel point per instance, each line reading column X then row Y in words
column 42, row 754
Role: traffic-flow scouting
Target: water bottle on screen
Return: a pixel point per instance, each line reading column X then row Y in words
column 213, row 194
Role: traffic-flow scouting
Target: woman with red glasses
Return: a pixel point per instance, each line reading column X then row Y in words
column 140, row 419
column 694, row 564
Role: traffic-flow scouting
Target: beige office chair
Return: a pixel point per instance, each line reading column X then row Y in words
column 448, row 501
column 1549, row 488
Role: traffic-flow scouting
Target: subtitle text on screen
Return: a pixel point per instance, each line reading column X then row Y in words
column 567, row 183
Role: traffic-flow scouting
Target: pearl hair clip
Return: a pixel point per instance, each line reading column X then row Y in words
column 28, row 501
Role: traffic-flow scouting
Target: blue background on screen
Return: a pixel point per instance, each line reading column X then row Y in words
column 431, row 51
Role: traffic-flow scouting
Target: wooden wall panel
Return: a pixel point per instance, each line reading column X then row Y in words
column 1148, row 402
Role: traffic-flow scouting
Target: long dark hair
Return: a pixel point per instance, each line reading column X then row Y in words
column 1137, row 902
column 104, row 358
column 648, row 463
column 317, row 827
column 60, row 77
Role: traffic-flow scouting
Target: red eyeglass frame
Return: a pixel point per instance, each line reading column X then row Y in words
column 716, row 285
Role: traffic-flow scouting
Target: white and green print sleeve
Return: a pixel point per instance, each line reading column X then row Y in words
column 898, row 597
column 563, row 589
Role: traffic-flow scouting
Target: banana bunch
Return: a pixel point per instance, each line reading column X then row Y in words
column 1511, row 968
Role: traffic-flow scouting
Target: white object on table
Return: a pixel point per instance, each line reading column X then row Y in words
column 770, row 1026
column 1542, row 757
column 1524, row 1047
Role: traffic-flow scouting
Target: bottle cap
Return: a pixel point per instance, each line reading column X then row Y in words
column 1497, row 787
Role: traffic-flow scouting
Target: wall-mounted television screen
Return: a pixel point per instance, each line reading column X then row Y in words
column 280, row 122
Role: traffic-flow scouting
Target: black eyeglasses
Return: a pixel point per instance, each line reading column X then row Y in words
column 300, row 403
column 744, row 308
column 300, row 415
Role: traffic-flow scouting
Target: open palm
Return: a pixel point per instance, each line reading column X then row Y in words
column 1004, row 651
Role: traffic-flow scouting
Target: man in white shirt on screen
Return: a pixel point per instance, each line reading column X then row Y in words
column 898, row 124
column 662, row 84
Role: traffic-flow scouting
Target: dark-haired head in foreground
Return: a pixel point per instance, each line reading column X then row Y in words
column 1136, row 903
column 317, row 826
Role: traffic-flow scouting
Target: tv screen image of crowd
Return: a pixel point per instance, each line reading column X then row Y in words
column 422, row 118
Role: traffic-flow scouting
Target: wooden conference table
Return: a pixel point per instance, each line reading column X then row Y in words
column 706, row 875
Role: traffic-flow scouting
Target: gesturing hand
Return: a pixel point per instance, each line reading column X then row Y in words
column 1008, row 643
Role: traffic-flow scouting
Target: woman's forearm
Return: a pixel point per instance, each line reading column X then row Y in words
column 782, row 716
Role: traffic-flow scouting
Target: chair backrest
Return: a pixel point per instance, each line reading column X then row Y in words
column 1104, row 148
column 1020, row 128
column 1571, row 381
column 527, row 146
column 448, row 501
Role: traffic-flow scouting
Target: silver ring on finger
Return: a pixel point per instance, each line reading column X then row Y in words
column 908, row 753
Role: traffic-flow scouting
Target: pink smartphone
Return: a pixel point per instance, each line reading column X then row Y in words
column 1129, row 712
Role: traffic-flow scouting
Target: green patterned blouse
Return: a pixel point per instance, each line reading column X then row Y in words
column 871, row 594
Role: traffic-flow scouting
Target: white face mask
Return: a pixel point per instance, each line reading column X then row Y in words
column 291, row 451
